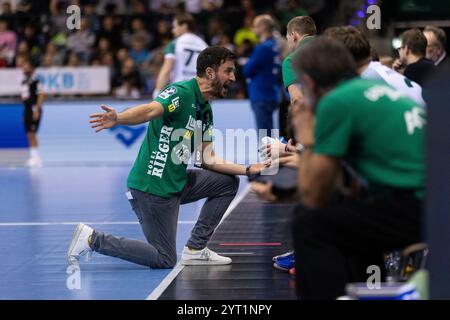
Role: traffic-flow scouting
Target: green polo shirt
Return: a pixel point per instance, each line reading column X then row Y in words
column 377, row 129
column 160, row 167
column 289, row 75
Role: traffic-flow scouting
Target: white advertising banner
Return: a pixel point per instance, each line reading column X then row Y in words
column 59, row 80
column 10, row 80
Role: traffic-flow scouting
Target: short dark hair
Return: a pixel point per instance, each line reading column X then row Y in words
column 326, row 61
column 213, row 57
column 439, row 34
column 186, row 18
column 415, row 40
column 353, row 39
column 303, row 25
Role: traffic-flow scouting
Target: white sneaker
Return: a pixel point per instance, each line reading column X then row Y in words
column 80, row 244
column 34, row 163
column 202, row 257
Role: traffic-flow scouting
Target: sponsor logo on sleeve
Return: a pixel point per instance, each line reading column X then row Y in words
column 168, row 92
column 175, row 104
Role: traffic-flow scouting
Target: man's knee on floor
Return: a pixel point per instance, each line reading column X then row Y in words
column 167, row 261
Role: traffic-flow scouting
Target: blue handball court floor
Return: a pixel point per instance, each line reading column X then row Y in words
column 83, row 179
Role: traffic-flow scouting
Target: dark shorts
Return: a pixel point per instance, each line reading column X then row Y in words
column 30, row 124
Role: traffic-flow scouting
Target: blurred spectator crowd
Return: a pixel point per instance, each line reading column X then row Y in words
column 129, row 36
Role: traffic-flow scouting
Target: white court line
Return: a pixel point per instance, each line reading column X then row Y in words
column 157, row 292
column 32, row 224
column 234, row 203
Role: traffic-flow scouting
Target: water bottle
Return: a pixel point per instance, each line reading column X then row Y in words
column 267, row 140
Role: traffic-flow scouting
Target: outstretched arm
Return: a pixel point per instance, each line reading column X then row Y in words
column 135, row 115
column 212, row 162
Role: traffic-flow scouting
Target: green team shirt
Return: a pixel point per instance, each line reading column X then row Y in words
column 289, row 75
column 160, row 167
column 377, row 129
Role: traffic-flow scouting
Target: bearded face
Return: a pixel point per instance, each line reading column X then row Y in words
column 220, row 88
column 224, row 77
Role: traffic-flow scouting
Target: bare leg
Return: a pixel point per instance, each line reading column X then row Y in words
column 32, row 139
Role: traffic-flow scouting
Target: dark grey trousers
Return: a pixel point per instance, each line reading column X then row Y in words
column 158, row 218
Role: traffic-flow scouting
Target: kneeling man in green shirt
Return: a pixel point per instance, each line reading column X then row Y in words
column 180, row 123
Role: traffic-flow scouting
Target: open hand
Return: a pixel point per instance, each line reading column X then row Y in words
column 104, row 120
